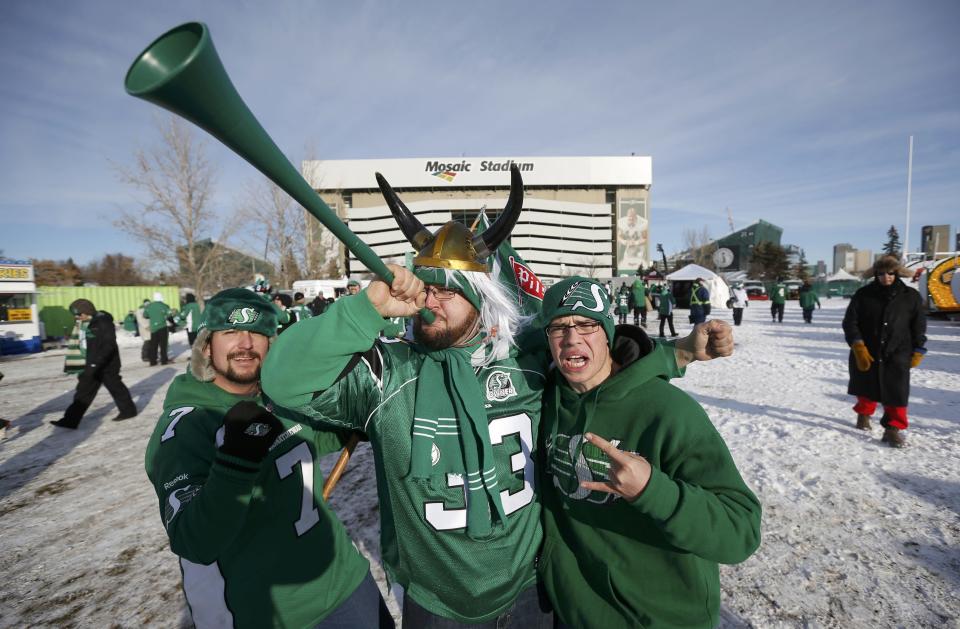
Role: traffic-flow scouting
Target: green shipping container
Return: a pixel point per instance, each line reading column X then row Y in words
column 53, row 302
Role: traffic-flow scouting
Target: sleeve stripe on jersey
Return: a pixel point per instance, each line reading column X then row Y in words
column 377, row 407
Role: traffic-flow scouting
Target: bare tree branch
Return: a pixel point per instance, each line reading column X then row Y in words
column 175, row 221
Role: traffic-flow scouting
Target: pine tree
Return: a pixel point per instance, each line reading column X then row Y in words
column 769, row 261
column 892, row 246
column 800, row 271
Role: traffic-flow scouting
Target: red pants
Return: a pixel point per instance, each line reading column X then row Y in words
column 896, row 416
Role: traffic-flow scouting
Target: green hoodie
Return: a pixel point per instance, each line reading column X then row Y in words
column 257, row 547
column 779, row 293
column 157, row 312
column 653, row 562
column 808, row 299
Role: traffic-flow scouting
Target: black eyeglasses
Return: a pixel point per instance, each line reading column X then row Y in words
column 441, row 293
column 583, row 328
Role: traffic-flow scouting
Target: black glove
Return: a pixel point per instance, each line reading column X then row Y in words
column 249, row 431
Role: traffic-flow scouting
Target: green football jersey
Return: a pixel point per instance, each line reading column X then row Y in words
column 257, row 548
column 332, row 369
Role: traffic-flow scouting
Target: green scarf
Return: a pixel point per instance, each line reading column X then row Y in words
column 455, row 422
column 76, row 358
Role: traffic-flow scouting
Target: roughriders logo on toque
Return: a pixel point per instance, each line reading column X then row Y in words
column 241, row 316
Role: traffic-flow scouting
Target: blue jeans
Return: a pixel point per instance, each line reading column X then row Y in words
column 531, row 610
column 364, row 609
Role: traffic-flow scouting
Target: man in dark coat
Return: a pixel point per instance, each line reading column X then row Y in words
column 101, row 366
column 885, row 327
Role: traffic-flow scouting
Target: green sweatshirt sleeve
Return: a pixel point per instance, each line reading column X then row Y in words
column 667, row 356
column 696, row 495
column 311, row 356
column 203, row 495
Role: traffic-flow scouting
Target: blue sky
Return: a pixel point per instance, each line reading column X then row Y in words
column 797, row 113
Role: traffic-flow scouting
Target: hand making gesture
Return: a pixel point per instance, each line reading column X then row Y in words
column 629, row 473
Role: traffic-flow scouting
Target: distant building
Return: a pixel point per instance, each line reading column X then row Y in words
column 235, row 268
column 934, row 239
column 581, row 215
column 863, row 260
column 739, row 245
column 794, row 253
column 821, row 269
column 843, row 257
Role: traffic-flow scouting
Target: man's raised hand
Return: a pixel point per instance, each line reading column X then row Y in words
column 403, row 298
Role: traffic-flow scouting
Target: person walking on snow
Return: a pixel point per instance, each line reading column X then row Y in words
column 808, row 299
column 638, row 294
column 143, row 328
column 156, row 311
column 667, row 302
column 699, row 302
column 738, row 301
column 778, row 300
column 623, row 303
column 101, row 365
column 190, row 316
column 885, row 327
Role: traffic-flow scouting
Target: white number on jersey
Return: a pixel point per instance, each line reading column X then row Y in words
column 309, row 514
column 443, row 519
column 177, row 414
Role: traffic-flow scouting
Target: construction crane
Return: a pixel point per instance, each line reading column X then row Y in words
column 730, row 220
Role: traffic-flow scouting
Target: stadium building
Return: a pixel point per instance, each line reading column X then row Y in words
column 581, row 215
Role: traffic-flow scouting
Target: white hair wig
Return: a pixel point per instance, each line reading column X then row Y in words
column 500, row 315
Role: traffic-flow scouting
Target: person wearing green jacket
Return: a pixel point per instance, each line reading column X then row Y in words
column 778, row 298
column 638, row 294
column 808, row 299
column 665, row 309
column 641, row 499
column 239, row 484
column 156, row 311
column 623, row 303
column 299, row 309
column 190, row 316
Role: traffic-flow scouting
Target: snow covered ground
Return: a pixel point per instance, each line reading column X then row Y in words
column 855, row 534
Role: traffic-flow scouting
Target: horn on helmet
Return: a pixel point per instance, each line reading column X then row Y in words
column 487, row 242
column 414, row 231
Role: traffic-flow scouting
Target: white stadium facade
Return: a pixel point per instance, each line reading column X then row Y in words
column 581, row 215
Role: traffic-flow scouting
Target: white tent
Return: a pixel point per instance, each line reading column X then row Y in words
column 719, row 291
column 841, row 276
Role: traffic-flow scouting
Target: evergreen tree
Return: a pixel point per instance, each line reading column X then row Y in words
column 800, row 271
column 769, row 261
column 892, row 246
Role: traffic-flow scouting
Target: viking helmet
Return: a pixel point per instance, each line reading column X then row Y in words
column 454, row 246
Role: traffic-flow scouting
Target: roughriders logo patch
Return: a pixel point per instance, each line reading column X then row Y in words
column 527, row 280
column 500, row 387
column 242, row 316
column 595, row 296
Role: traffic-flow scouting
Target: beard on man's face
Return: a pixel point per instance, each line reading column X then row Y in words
column 435, row 338
column 231, row 374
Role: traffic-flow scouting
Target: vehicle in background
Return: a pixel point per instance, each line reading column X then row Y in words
column 755, row 290
column 793, row 288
